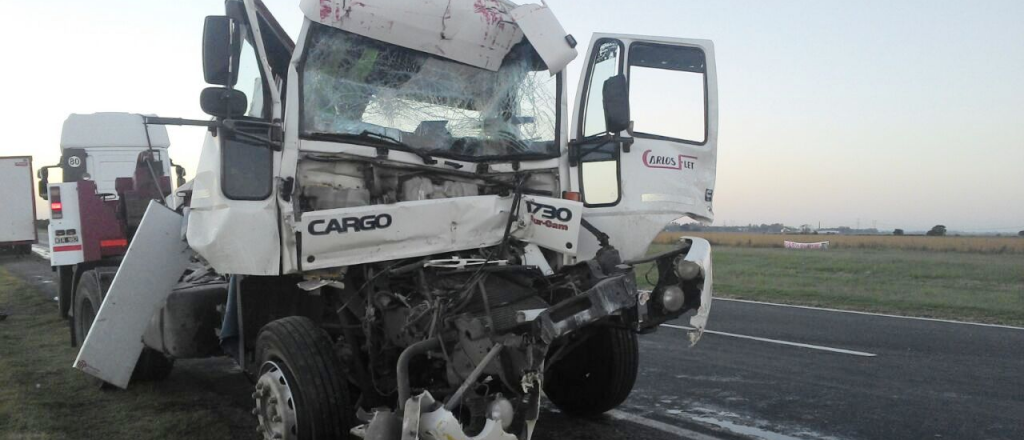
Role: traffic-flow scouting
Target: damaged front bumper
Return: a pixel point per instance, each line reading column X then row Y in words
column 616, row 295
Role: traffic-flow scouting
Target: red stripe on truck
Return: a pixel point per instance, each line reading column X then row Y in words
column 74, row 247
column 120, row 242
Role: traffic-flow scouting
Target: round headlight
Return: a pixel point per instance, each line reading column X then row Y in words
column 687, row 270
column 672, row 298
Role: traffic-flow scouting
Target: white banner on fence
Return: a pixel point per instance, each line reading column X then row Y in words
column 795, row 245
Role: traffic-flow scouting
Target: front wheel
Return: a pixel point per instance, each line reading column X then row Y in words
column 300, row 392
column 595, row 376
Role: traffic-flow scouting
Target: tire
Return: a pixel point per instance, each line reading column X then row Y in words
column 151, row 366
column 595, row 376
column 87, row 302
column 298, row 366
column 65, row 284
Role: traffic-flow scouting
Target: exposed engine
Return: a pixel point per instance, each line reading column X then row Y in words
column 472, row 329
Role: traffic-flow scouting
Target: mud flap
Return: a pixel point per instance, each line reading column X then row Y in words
column 155, row 261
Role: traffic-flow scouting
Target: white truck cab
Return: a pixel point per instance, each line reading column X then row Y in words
column 415, row 228
column 105, row 146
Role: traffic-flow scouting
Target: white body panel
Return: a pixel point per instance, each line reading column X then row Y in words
column 653, row 193
column 545, row 34
column 17, row 200
column 65, row 233
column 366, row 234
column 700, row 253
column 479, row 34
column 235, row 236
column 415, row 229
column 155, row 261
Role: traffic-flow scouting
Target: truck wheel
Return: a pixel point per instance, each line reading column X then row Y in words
column 595, row 376
column 300, row 391
column 152, row 365
column 87, row 303
column 65, row 282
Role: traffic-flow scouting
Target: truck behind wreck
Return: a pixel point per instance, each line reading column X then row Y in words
column 406, row 236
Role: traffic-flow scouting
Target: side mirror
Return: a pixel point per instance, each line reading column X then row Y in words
column 222, row 102
column 43, row 174
column 217, row 51
column 616, row 104
column 180, row 172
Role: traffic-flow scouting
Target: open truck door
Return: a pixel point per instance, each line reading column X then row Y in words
column 645, row 137
column 233, row 208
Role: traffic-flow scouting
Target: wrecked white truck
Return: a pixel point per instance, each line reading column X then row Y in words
column 417, row 240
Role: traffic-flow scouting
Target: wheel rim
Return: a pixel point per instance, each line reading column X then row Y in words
column 275, row 404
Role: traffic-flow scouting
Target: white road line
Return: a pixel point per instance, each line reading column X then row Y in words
column 947, row 321
column 660, row 426
column 776, row 341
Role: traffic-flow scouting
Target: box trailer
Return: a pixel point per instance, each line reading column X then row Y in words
column 18, row 212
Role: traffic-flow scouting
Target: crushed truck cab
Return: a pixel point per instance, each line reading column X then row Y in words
column 419, row 237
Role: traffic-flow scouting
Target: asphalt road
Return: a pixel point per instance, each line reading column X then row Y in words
column 925, row 379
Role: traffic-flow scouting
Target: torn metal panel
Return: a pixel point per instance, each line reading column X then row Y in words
column 479, row 33
column 546, row 35
column 155, row 261
column 700, row 253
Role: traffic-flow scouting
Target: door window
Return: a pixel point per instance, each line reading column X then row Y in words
column 250, row 80
column 599, row 174
column 667, row 92
column 606, row 65
column 247, row 166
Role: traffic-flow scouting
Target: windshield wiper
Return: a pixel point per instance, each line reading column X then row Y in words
column 373, row 139
column 367, row 134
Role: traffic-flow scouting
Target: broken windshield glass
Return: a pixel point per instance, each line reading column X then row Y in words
column 352, row 84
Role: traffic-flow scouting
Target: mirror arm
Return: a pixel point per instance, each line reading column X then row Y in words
column 271, row 142
column 156, row 120
column 576, row 150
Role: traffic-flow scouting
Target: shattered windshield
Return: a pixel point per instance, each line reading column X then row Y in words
column 357, row 86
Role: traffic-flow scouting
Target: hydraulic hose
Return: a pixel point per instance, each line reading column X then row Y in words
column 404, row 387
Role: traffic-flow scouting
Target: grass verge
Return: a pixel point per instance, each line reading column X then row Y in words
column 960, row 286
column 42, row 397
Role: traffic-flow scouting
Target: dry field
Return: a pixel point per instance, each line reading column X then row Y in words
column 981, row 245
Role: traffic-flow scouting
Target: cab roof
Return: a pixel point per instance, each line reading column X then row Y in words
column 111, row 130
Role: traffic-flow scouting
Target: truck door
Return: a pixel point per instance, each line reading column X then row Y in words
column 634, row 181
column 233, row 221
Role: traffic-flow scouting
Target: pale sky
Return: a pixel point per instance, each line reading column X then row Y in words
column 901, row 114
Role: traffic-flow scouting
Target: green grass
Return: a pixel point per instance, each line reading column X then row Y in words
column 960, row 286
column 42, row 397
